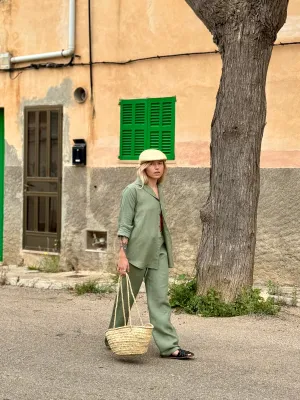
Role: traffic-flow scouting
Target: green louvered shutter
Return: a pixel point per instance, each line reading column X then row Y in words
column 133, row 128
column 147, row 123
column 161, row 125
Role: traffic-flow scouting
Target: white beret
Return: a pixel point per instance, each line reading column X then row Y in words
column 152, row 155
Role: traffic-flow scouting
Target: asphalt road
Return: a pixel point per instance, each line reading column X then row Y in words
column 51, row 347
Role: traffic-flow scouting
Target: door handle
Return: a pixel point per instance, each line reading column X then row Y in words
column 27, row 186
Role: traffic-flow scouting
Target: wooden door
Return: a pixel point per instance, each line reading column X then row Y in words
column 42, row 178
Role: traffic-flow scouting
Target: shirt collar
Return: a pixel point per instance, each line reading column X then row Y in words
column 147, row 188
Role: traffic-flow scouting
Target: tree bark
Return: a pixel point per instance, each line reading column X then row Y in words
column 244, row 31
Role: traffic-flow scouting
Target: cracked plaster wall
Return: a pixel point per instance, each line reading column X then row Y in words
column 94, row 204
column 90, row 196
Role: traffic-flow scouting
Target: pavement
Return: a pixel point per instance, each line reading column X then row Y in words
column 23, row 277
column 52, row 348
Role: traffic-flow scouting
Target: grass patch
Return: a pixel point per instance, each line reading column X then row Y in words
column 48, row 263
column 249, row 301
column 274, row 288
column 280, row 298
column 3, row 275
column 294, row 300
column 115, row 278
column 33, row 268
column 93, row 286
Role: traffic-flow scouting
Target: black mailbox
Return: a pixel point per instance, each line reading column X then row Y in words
column 79, row 152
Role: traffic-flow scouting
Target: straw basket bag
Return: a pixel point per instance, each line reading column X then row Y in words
column 128, row 340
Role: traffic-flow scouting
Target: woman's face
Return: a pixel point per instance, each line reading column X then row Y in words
column 155, row 169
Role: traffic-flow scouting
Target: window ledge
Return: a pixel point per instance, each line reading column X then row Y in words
column 41, row 252
column 96, row 251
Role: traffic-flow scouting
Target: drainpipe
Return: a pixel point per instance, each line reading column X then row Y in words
column 91, row 57
column 55, row 54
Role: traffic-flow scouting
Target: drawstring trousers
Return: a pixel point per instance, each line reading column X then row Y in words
column 156, row 282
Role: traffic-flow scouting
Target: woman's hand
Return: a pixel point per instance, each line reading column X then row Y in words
column 123, row 265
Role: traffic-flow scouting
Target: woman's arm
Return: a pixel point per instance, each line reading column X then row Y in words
column 127, row 212
column 126, row 218
column 123, row 264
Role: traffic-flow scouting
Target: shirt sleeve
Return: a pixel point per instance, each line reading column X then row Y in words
column 127, row 211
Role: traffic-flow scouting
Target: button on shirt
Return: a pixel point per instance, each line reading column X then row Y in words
column 140, row 221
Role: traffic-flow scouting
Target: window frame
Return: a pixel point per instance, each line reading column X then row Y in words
column 132, row 128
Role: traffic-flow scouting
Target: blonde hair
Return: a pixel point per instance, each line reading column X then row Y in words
column 141, row 172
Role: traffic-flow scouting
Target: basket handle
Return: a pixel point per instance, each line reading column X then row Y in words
column 129, row 289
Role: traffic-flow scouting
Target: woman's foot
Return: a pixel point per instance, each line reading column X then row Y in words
column 181, row 354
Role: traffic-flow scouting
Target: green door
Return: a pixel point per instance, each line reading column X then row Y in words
column 1, row 180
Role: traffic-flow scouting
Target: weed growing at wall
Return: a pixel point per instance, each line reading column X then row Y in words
column 274, row 288
column 294, row 300
column 183, row 296
column 49, row 264
column 281, row 298
column 93, row 287
column 3, row 275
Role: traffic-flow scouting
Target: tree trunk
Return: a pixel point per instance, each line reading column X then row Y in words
column 245, row 31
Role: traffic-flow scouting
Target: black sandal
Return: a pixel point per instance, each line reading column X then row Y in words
column 182, row 355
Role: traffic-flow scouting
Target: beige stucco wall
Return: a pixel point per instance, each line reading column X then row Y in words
column 125, row 30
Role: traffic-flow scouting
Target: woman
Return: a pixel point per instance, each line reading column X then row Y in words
column 146, row 250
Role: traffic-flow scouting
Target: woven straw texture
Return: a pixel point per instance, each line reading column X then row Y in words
column 129, row 340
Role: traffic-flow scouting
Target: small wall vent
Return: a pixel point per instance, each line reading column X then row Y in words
column 96, row 240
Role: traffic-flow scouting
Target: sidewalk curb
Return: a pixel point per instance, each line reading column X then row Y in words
column 39, row 284
column 22, row 277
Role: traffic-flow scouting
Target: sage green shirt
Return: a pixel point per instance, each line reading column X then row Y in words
column 139, row 221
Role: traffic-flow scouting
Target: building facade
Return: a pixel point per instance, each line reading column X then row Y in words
column 134, row 74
